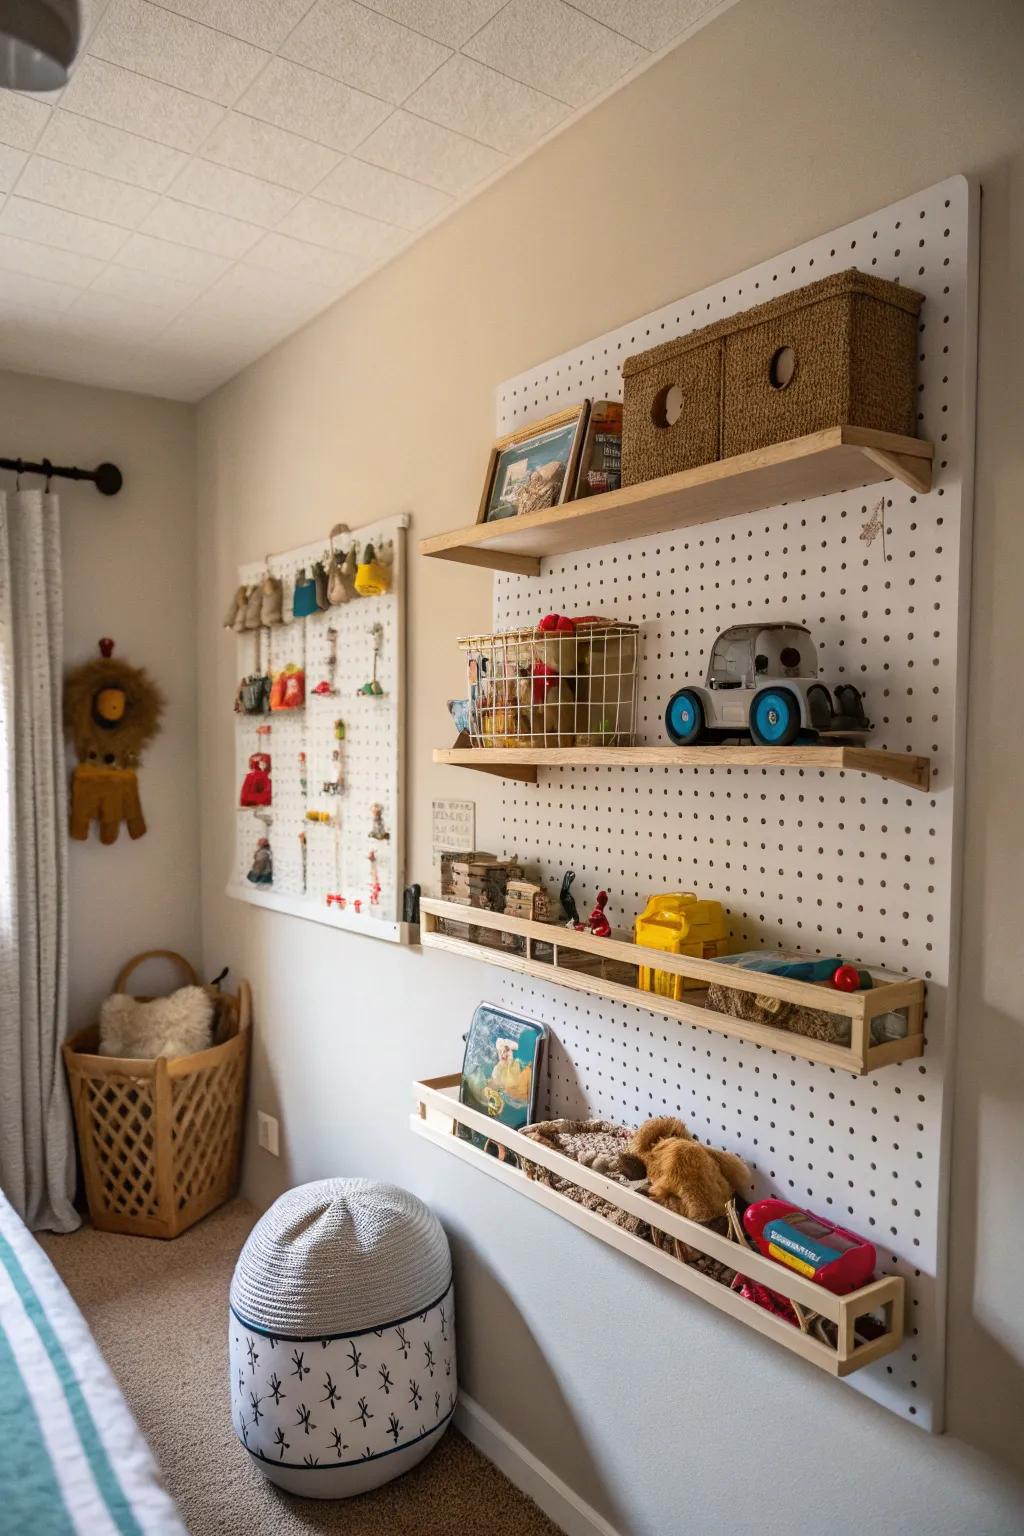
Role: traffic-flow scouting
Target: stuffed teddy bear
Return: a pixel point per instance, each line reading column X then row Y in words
column 685, row 1176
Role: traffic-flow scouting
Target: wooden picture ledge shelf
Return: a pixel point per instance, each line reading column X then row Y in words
column 608, row 968
column 837, row 459
column 522, row 763
column 436, row 1113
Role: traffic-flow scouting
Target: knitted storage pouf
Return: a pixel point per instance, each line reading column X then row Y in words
column 342, row 1337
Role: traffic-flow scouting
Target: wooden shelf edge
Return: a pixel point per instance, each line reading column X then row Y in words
column 842, row 1058
column 522, row 763
column 439, row 1096
column 822, row 463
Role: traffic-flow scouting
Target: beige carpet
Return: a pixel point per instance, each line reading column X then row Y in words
column 159, row 1314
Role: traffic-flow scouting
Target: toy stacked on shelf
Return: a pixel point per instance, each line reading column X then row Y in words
column 480, row 880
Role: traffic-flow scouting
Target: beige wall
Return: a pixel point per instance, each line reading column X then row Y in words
column 780, row 120
column 129, row 572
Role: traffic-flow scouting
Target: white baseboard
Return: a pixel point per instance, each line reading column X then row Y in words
column 558, row 1501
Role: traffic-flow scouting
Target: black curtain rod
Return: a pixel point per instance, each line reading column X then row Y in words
column 107, row 478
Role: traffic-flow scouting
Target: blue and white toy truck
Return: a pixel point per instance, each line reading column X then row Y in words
column 762, row 681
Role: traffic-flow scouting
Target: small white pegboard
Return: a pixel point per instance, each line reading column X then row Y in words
column 823, row 863
column 316, row 858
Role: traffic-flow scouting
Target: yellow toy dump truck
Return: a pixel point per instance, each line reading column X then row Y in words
column 680, row 924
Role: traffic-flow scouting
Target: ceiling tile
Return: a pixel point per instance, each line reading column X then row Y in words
column 117, row 316
column 484, row 105
column 429, row 153
column 47, row 261
column 447, row 21
column 11, row 162
column 28, row 288
column 382, row 195
column 177, row 51
column 552, row 46
column 163, row 257
column 153, row 288
column 97, row 147
column 363, row 49
column 246, row 144
column 341, row 230
column 248, row 290
column 297, row 258
column 319, row 108
column 201, row 228
column 22, row 120
column 55, row 226
column 223, row 190
column 66, row 186
column 126, row 100
column 652, row 23
column 263, row 22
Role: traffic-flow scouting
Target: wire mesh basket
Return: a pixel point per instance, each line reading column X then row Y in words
column 569, row 687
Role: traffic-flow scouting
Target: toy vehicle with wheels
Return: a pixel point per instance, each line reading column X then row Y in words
column 762, row 680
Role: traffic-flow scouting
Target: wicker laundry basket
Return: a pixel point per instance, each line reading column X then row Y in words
column 161, row 1139
column 839, row 352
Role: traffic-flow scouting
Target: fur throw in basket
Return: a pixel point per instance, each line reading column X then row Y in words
column 167, row 1026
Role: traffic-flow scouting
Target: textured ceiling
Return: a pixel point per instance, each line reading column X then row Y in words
column 216, row 172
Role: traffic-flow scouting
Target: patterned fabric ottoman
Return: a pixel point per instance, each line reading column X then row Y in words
column 342, row 1337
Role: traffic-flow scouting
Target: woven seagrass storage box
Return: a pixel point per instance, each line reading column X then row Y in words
column 840, row 352
column 671, row 405
column 160, row 1139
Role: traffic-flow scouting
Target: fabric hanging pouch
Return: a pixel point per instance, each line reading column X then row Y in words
column 373, row 577
column 304, row 597
column 320, row 585
column 254, row 607
column 257, row 787
column 272, row 600
column 337, row 588
column 236, row 605
column 288, row 690
column 254, row 694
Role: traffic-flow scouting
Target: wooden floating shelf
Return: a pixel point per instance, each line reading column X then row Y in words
column 522, row 762
column 437, row 1111
column 837, row 459
column 557, row 954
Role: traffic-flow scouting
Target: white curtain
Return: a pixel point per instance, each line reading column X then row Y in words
column 37, row 1167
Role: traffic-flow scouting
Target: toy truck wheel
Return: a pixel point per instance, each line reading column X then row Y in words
column 684, row 718
column 775, row 717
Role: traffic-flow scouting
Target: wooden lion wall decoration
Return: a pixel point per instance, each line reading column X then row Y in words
column 112, row 712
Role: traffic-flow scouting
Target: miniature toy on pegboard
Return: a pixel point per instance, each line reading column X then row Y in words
column 319, row 730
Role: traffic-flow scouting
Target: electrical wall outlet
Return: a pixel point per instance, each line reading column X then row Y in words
column 267, row 1133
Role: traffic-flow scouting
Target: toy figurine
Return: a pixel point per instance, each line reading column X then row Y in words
column 262, row 871
column 374, row 879
column 339, row 730
column 598, row 924
column 337, row 784
column 567, row 903
column 303, row 780
column 378, row 831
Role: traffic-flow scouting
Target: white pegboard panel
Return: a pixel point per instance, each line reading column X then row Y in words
column 312, row 858
column 823, row 863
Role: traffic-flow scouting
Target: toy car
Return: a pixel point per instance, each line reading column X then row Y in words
column 763, row 679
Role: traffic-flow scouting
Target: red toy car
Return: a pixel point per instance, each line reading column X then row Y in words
column 813, row 1246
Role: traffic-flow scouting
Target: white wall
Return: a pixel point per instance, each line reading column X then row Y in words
column 782, row 119
column 129, row 572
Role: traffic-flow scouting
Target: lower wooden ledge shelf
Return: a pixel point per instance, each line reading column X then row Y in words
column 608, row 968
column 437, row 1111
column 523, row 762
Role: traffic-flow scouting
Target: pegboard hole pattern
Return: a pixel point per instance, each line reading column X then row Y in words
column 801, row 859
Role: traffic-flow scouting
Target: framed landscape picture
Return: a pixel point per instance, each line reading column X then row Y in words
column 535, row 466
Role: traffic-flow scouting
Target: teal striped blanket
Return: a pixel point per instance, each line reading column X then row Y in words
column 73, row 1461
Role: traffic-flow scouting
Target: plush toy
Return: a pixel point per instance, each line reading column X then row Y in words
column 112, row 711
column 166, row 1026
column 685, row 1176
